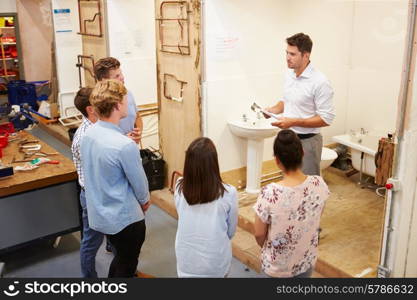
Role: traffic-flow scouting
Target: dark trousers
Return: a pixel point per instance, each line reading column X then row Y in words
column 127, row 243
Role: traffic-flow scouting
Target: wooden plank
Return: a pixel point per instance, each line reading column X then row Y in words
column 237, row 177
column 94, row 46
column 165, row 201
column 245, row 249
column 43, row 176
column 385, row 159
column 179, row 122
column 36, row 35
column 57, row 130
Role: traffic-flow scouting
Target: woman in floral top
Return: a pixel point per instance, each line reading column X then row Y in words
column 288, row 214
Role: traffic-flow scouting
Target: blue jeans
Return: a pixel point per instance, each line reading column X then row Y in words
column 89, row 244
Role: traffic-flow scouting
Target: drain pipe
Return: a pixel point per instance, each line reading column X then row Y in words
column 393, row 183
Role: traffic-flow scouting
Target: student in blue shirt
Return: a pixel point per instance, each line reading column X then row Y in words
column 132, row 125
column 116, row 187
column 207, row 215
column 109, row 68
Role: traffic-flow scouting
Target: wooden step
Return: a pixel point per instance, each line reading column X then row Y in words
column 244, row 245
column 246, row 250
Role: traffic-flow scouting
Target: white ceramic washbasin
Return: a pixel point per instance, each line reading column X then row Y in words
column 255, row 130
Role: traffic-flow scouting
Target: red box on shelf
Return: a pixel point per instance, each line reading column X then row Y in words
column 7, row 127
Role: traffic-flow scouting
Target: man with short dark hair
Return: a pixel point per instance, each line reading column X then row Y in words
column 91, row 239
column 109, row 68
column 307, row 101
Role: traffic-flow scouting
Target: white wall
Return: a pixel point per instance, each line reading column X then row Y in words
column 358, row 45
column 7, row 6
column 244, row 62
column 131, row 38
column 376, row 60
column 68, row 46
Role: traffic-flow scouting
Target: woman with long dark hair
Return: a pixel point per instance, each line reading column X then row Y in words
column 207, row 214
column 288, row 213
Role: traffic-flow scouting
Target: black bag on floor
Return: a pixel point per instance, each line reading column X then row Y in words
column 154, row 165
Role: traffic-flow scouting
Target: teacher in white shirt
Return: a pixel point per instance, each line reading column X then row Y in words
column 307, row 102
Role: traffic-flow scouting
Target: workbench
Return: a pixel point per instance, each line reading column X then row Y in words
column 40, row 203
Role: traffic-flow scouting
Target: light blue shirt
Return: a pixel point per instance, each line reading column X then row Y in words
column 114, row 179
column 203, row 242
column 128, row 123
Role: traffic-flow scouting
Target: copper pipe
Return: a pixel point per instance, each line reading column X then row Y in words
column 169, row 97
column 171, row 186
column 182, row 49
column 84, row 32
column 80, row 65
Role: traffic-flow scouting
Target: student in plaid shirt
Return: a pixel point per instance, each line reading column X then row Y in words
column 92, row 239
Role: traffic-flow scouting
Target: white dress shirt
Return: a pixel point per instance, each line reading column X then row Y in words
column 306, row 96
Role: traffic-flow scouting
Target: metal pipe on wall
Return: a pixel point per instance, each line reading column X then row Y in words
column 383, row 268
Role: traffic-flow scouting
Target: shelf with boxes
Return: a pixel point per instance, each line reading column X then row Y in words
column 9, row 49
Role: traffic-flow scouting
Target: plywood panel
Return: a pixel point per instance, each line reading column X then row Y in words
column 92, row 45
column 179, row 122
column 36, row 36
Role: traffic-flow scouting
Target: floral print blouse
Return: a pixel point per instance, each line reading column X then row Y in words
column 293, row 218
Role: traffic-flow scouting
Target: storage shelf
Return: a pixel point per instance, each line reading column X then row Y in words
column 10, row 65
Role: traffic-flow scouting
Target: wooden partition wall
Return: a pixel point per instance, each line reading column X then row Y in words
column 178, row 30
column 94, row 45
column 36, row 35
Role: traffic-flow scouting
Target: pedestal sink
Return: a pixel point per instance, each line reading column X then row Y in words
column 255, row 132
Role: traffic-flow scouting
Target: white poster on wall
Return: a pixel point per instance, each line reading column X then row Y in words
column 223, row 46
column 62, row 20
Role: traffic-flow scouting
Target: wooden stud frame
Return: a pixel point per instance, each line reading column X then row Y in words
column 182, row 21
column 85, row 21
column 81, row 64
column 169, row 97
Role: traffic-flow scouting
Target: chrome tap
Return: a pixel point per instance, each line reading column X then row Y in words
column 363, row 131
column 244, row 118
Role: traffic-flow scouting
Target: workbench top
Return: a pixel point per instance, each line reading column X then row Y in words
column 44, row 175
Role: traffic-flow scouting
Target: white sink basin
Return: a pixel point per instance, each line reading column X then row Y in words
column 255, row 132
column 260, row 129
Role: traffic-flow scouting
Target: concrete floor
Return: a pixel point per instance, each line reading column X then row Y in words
column 156, row 259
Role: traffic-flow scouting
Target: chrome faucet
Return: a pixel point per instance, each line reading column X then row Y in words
column 363, row 131
column 244, row 118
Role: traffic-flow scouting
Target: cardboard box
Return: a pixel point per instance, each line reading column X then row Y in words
column 54, row 110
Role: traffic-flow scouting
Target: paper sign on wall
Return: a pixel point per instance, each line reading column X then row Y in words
column 223, row 46
column 62, row 20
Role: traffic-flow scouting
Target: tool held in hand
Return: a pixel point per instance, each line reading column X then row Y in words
column 256, row 108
